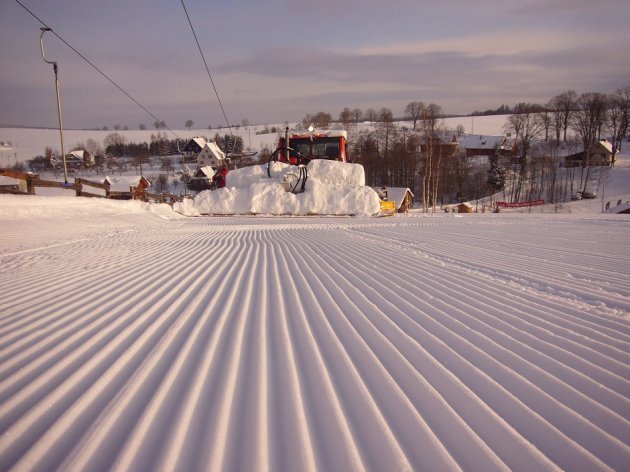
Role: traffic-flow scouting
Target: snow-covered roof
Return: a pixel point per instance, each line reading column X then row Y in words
column 208, row 171
column 78, row 154
column 576, row 148
column 212, row 148
column 397, row 194
column 200, row 140
column 479, row 141
column 606, row 145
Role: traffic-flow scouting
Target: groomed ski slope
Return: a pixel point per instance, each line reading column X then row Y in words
column 482, row 342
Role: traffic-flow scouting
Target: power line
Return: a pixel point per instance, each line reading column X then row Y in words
column 207, row 68
column 96, row 68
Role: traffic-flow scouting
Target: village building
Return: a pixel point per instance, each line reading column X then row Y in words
column 76, row 159
column 402, row 196
column 443, row 144
column 464, row 207
column 140, row 190
column 486, row 145
column 202, row 178
column 210, row 155
column 193, row 148
column 601, row 155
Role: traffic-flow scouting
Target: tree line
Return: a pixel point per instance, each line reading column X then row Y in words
column 419, row 153
column 117, row 154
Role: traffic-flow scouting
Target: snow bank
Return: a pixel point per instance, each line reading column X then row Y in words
column 21, row 207
column 332, row 188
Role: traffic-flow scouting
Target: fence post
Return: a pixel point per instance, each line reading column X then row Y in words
column 78, row 186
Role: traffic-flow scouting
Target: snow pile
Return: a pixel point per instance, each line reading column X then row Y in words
column 332, row 188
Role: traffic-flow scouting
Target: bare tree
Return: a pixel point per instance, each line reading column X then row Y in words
column 526, row 126
column 371, row 115
column 346, row 117
column 568, row 103
column 366, row 150
column 189, row 124
column 587, row 121
column 386, row 132
column 557, row 116
column 413, row 112
column 319, row 119
column 93, row 148
column 430, row 118
column 162, row 183
column 546, row 120
column 617, row 118
column 357, row 114
column 113, row 139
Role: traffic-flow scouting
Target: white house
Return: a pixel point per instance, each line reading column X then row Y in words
column 210, row 155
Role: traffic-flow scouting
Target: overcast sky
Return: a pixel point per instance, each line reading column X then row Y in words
column 276, row 60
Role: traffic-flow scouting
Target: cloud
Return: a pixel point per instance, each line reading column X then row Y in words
column 476, row 76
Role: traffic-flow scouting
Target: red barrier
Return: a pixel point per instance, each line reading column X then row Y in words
column 520, row 204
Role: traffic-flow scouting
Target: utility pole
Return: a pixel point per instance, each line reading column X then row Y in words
column 55, row 68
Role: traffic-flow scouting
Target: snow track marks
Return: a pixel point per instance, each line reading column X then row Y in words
column 479, row 343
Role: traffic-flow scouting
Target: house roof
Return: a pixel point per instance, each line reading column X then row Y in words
column 205, row 171
column 397, row 194
column 606, row 145
column 201, row 141
column 480, row 141
column 213, row 149
column 78, row 154
column 577, row 149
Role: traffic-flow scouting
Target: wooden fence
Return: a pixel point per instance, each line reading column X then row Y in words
column 82, row 187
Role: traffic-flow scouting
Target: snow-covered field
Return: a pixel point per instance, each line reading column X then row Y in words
column 132, row 338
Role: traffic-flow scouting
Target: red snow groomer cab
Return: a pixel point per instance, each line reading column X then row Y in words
column 316, row 144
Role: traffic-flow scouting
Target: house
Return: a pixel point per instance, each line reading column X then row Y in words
column 443, row 144
column 76, row 159
column 601, row 155
column 403, row 197
column 201, row 179
column 486, row 145
column 210, row 155
column 140, row 189
column 193, row 148
column 464, row 208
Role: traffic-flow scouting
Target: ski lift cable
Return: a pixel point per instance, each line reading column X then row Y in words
column 207, row 68
column 96, row 68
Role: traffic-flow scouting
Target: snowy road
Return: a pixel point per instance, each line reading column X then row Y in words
column 484, row 342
